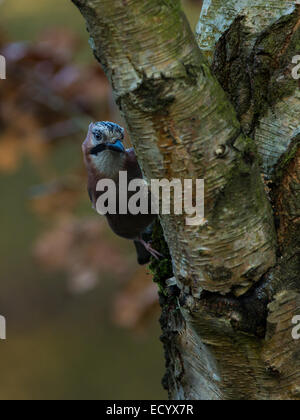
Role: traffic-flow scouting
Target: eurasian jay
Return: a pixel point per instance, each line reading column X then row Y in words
column 105, row 157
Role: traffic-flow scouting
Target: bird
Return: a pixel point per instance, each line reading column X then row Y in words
column 105, row 156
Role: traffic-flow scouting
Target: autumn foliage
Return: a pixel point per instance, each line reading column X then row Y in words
column 50, row 100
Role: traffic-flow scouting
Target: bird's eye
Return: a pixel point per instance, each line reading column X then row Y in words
column 97, row 136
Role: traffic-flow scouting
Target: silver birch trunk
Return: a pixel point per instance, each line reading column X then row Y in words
column 223, row 107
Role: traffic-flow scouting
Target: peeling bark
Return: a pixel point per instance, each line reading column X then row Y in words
column 217, row 17
column 227, row 312
column 287, row 197
column 261, row 38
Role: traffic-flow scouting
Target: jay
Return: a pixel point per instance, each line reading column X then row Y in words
column 105, row 157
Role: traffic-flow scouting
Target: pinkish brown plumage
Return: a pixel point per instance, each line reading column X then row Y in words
column 105, row 156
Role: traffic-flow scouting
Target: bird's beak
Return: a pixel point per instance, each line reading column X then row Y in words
column 116, row 147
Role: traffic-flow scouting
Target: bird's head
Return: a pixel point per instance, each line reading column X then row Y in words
column 106, row 136
column 104, row 146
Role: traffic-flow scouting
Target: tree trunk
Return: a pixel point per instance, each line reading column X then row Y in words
column 229, row 115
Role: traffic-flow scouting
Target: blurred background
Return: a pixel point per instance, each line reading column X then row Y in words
column 82, row 317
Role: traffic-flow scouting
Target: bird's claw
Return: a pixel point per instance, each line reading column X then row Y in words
column 155, row 254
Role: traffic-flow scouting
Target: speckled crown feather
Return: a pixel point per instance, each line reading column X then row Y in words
column 109, row 131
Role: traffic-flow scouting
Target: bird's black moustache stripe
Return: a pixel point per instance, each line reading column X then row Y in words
column 101, row 147
column 98, row 149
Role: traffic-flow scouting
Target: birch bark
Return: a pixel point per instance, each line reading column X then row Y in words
column 227, row 313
